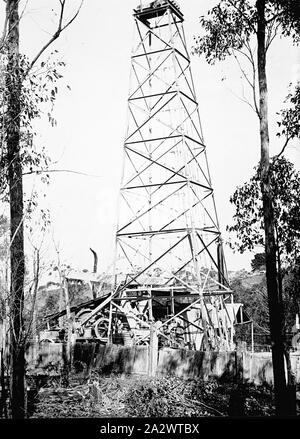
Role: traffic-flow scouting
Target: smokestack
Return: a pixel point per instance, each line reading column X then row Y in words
column 95, row 260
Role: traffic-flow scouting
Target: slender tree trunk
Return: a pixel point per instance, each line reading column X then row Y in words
column 274, row 300
column 15, row 184
column 69, row 326
column 290, row 374
column 67, row 342
column 3, row 384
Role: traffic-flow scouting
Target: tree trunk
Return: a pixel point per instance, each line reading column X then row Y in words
column 15, row 184
column 274, row 300
column 68, row 346
column 3, row 384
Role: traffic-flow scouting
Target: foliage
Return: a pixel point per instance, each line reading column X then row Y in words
column 174, row 397
column 248, row 218
column 291, row 294
column 289, row 125
column 258, row 262
column 289, row 11
column 38, row 93
column 51, row 304
column 248, row 227
column 79, row 292
column 228, row 27
column 39, row 88
column 154, row 399
column 252, row 292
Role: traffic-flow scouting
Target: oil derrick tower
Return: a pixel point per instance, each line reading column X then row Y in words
column 169, row 266
column 169, row 259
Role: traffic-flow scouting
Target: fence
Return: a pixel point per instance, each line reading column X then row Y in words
column 227, row 366
column 45, row 358
column 257, row 367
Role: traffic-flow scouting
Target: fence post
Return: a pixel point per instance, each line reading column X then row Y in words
column 239, row 366
column 154, row 351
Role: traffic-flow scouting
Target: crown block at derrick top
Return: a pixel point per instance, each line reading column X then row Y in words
column 149, row 10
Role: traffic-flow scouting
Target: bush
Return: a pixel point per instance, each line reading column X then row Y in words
column 167, row 397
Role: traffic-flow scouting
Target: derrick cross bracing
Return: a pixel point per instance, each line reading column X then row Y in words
column 169, row 269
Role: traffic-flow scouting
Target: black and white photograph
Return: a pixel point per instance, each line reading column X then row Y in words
column 149, row 214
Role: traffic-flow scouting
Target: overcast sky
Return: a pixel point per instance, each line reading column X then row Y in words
column 92, row 120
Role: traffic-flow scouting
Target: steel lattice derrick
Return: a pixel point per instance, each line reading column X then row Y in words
column 169, row 262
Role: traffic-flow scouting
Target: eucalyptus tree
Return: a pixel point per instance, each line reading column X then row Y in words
column 248, row 228
column 230, row 29
column 20, row 102
column 248, row 219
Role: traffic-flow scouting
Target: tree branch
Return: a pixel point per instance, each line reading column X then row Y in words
column 242, row 70
column 271, row 37
column 244, row 54
column 252, row 85
column 274, row 17
column 245, row 101
column 70, row 171
column 276, row 157
column 253, row 78
column 4, row 31
column 60, row 29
